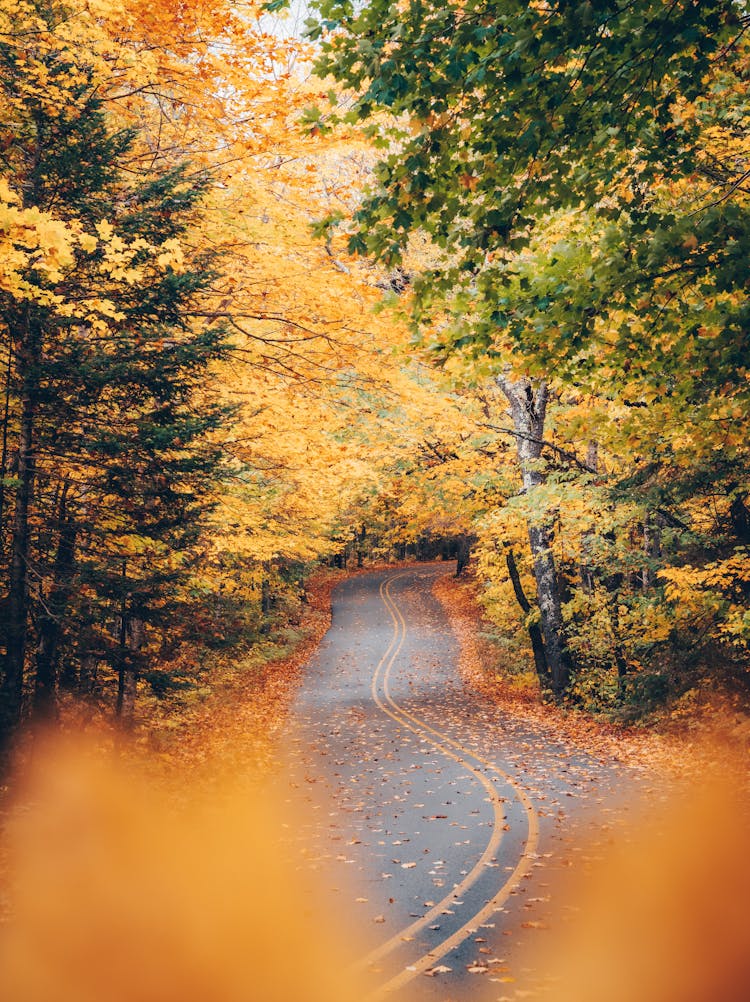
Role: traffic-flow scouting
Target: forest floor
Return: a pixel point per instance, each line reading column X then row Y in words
column 710, row 729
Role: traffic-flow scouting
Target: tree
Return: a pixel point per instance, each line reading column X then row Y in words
column 580, row 171
column 528, row 408
column 111, row 464
column 126, row 524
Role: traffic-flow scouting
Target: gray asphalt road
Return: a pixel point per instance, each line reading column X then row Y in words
column 435, row 822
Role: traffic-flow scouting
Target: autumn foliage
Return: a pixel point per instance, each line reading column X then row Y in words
column 566, row 185
column 182, row 358
column 419, row 282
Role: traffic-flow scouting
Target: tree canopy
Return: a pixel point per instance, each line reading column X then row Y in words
column 462, row 278
column 579, row 173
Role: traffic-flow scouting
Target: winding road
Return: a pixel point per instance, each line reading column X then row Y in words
column 435, row 822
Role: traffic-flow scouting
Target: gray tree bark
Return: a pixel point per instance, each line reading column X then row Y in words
column 586, row 571
column 50, row 619
column 535, row 633
column 463, row 552
column 528, row 410
column 133, row 637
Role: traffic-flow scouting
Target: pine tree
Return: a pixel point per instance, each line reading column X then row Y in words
column 108, row 413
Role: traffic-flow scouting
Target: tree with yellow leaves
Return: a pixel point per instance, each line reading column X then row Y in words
column 581, row 173
column 106, row 464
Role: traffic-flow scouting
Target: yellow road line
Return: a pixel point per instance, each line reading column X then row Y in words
column 491, row 850
column 419, row 726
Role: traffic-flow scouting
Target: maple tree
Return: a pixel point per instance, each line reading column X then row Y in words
column 167, row 257
column 579, row 171
column 213, row 399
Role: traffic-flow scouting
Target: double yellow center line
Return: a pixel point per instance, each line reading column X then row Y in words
column 470, row 761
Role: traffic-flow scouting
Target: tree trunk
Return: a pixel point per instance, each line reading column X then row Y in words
column 4, row 448
column 613, row 584
column 528, row 409
column 11, row 690
column 652, row 526
column 87, row 677
column 127, row 680
column 740, row 517
column 535, row 633
column 592, row 455
column 585, row 570
column 131, row 639
column 265, row 597
column 50, row 620
column 463, row 553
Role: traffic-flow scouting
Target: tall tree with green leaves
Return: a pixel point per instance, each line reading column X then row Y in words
column 580, row 170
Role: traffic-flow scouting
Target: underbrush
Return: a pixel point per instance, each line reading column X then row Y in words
column 659, row 713
column 225, row 677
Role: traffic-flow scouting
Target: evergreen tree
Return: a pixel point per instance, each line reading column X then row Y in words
column 109, row 463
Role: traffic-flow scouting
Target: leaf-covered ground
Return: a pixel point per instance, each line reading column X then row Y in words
column 708, row 728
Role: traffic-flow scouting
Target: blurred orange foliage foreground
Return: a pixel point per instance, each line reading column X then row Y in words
column 663, row 914
column 119, row 894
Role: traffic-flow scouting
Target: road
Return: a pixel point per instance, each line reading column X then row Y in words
column 434, row 821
